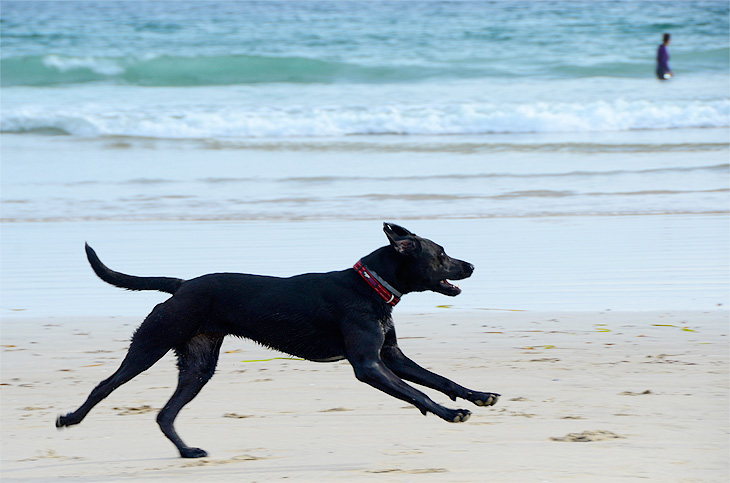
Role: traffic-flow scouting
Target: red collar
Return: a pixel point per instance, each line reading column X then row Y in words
column 386, row 292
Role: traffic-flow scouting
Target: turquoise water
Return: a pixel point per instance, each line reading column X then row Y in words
column 318, row 69
column 224, row 43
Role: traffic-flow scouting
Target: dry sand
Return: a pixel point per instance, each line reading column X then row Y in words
column 585, row 397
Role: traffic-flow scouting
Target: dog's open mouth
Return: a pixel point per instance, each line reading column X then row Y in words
column 449, row 288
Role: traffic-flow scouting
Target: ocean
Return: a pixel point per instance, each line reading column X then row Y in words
column 275, row 136
column 239, row 70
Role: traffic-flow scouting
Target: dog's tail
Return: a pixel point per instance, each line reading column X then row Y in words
column 130, row 282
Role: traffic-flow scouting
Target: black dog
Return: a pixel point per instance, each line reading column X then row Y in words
column 322, row 317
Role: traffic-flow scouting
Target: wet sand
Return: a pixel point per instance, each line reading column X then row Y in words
column 586, row 396
column 622, row 263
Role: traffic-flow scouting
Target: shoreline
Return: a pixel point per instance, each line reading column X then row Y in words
column 644, row 393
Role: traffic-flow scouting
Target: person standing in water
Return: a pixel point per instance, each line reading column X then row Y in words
column 663, row 72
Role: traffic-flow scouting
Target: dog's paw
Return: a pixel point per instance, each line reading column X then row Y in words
column 483, row 398
column 63, row 421
column 193, row 453
column 462, row 416
column 456, row 415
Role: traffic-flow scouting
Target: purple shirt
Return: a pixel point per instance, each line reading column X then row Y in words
column 662, row 58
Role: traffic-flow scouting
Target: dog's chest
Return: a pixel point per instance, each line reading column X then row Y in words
column 386, row 324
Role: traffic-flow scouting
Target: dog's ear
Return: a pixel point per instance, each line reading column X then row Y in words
column 401, row 239
column 391, row 229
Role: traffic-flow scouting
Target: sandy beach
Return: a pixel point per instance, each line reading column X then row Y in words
column 586, row 396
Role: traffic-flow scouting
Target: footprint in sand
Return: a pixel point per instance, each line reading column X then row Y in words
column 215, row 462
column 237, row 416
column 146, row 408
column 588, row 436
column 415, row 471
column 51, row 454
column 629, row 393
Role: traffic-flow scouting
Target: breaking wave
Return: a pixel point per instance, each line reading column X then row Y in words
column 218, row 70
column 153, row 70
column 259, row 122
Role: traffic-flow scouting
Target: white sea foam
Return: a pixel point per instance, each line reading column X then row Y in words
column 184, row 122
column 107, row 67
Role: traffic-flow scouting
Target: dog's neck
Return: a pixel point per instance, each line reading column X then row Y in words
column 383, row 264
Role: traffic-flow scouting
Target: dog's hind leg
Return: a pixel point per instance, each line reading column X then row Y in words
column 141, row 356
column 197, row 359
column 153, row 339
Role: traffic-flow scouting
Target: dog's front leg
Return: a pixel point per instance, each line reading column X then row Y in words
column 404, row 367
column 362, row 346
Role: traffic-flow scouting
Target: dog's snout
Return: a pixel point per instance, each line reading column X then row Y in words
column 468, row 268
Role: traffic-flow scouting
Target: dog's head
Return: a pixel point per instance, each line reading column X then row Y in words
column 425, row 265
